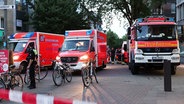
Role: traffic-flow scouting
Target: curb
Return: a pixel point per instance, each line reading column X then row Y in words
column 29, row 98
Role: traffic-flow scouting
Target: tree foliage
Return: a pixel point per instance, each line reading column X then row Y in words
column 129, row 9
column 56, row 16
column 113, row 40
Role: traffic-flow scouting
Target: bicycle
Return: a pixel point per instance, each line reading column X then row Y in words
column 88, row 72
column 39, row 75
column 11, row 79
column 61, row 73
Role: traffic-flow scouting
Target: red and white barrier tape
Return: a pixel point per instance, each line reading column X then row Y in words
column 29, row 98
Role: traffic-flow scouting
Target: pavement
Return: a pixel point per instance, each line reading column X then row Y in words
column 118, row 86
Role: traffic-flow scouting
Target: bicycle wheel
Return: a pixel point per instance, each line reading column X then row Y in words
column 26, row 78
column 16, row 82
column 57, row 77
column 85, row 77
column 94, row 74
column 43, row 73
column 2, row 86
column 68, row 75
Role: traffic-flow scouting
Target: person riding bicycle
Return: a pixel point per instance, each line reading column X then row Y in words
column 31, row 59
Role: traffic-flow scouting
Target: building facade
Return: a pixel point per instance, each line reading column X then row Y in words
column 17, row 19
column 180, row 23
column 180, row 16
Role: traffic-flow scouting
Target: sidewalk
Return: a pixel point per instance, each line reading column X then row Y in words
column 181, row 66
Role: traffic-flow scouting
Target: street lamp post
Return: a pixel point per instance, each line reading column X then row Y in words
column 5, row 26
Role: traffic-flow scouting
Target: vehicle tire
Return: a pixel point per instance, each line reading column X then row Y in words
column 2, row 86
column 42, row 74
column 26, row 78
column 68, row 75
column 129, row 66
column 85, row 77
column 173, row 70
column 57, row 77
column 134, row 69
column 104, row 65
column 17, row 82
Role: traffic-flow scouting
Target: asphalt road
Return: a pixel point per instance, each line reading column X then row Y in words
column 117, row 86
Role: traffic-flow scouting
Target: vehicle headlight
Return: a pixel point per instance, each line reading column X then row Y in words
column 15, row 57
column 176, row 51
column 57, row 58
column 138, row 51
column 84, row 57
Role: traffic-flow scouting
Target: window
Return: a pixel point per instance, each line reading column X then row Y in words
column 2, row 23
column 173, row 8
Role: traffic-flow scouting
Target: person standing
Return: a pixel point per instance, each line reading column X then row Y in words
column 112, row 55
column 31, row 59
column 108, row 54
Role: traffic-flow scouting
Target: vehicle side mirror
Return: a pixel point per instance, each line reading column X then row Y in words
column 128, row 31
column 59, row 49
column 129, row 37
column 92, row 49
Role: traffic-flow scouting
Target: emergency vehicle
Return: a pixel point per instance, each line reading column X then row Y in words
column 46, row 44
column 82, row 45
column 151, row 41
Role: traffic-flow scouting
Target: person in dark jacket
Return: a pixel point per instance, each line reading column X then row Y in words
column 31, row 65
column 112, row 55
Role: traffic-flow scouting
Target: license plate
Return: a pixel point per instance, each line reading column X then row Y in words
column 157, row 58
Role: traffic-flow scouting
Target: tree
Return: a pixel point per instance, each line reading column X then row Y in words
column 56, row 16
column 113, row 40
column 124, row 37
column 156, row 6
column 130, row 9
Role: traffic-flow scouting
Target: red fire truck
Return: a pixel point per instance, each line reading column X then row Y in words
column 82, row 45
column 151, row 41
column 47, row 45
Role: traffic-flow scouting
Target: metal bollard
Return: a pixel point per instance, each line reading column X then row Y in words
column 167, row 75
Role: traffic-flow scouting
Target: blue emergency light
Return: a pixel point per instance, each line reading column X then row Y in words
column 29, row 34
column 66, row 33
column 171, row 19
column 11, row 36
column 88, row 32
column 139, row 20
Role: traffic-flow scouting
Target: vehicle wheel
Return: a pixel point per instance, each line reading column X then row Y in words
column 173, row 70
column 42, row 74
column 129, row 66
column 2, row 86
column 17, row 82
column 134, row 69
column 57, row 77
column 85, row 77
column 103, row 65
column 68, row 76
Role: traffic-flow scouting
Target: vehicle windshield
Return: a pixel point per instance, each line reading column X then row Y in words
column 156, row 32
column 79, row 45
column 17, row 46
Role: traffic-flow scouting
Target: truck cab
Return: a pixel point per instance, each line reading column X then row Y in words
column 151, row 41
